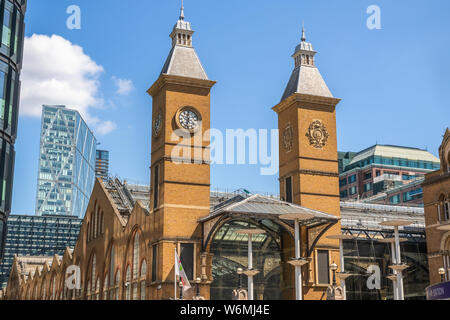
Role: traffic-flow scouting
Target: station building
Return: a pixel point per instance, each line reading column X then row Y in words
column 436, row 189
column 126, row 245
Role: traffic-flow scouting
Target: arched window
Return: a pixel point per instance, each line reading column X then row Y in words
column 143, row 278
column 136, row 256
column 135, row 281
column 443, row 209
column 128, row 284
column 447, row 209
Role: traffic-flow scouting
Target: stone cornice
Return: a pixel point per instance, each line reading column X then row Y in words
column 170, row 79
column 329, row 103
column 312, row 173
column 436, row 179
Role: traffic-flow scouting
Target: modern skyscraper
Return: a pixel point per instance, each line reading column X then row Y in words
column 11, row 48
column 102, row 164
column 66, row 163
column 37, row 236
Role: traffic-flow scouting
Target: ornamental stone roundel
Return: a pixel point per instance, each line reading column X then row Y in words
column 317, row 134
column 288, row 138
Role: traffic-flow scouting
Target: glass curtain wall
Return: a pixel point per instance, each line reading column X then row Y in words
column 362, row 255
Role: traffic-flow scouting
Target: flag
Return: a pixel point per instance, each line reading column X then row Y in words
column 179, row 271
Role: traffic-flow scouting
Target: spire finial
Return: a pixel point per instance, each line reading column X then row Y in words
column 303, row 32
column 182, row 10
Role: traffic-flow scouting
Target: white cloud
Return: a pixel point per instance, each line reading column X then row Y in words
column 124, row 86
column 55, row 71
column 106, row 127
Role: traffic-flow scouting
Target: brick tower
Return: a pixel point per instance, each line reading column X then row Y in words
column 309, row 160
column 180, row 170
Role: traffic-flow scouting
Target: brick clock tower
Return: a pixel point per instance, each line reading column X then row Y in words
column 180, row 170
column 308, row 160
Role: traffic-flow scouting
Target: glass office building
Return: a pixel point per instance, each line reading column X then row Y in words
column 37, row 236
column 11, row 48
column 66, row 163
column 102, row 164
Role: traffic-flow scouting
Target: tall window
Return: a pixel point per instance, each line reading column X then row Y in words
column 91, row 289
column 7, row 24
column 135, row 266
column 446, row 210
column 288, row 186
column 95, row 222
column 97, row 289
column 187, row 259
column 323, row 267
column 54, row 288
column 154, row 263
column 128, row 284
column 156, row 188
column 106, row 287
column 143, row 278
column 111, row 273
column 395, row 199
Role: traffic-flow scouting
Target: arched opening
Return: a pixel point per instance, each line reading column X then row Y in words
column 230, row 252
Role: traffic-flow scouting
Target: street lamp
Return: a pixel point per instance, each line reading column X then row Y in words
column 334, row 268
column 180, row 284
column 342, row 275
column 442, row 273
column 197, row 282
column 240, row 271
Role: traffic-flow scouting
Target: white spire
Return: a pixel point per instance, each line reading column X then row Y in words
column 303, row 32
column 182, row 10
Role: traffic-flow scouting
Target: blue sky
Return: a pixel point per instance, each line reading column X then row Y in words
column 394, row 82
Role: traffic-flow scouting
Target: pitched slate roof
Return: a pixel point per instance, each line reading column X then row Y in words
column 307, row 80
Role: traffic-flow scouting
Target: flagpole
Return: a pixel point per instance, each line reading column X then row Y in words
column 175, row 274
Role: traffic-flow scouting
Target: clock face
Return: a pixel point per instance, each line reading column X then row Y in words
column 157, row 125
column 188, row 119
